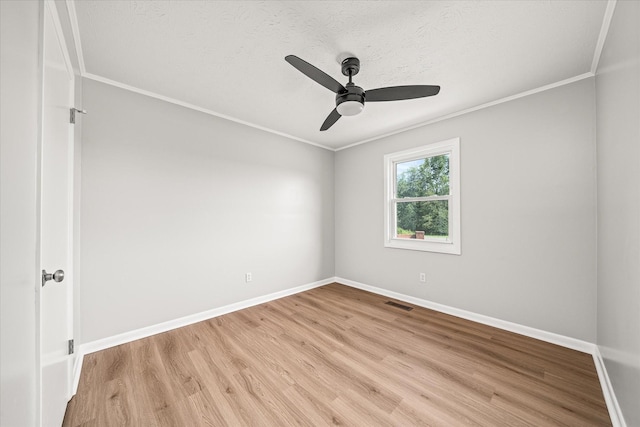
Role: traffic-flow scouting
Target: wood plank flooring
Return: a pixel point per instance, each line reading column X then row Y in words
column 337, row 356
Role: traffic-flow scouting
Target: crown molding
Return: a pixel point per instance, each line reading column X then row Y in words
column 75, row 31
column 476, row 108
column 197, row 108
column 596, row 58
column 604, row 31
column 50, row 5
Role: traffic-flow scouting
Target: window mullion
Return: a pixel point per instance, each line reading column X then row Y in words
column 420, row 199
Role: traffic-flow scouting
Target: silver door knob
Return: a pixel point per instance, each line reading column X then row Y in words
column 58, row 276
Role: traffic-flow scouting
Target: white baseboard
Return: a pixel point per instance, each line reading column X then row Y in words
column 615, row 413
column 586, row 347
column 104, row 343
column 612, row 404
column 573, row 343
column 77, row 368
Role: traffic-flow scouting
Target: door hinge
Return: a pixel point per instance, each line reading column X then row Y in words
column 72, row 114
column 70, row 346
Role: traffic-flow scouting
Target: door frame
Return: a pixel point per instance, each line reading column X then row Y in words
column 49, row 6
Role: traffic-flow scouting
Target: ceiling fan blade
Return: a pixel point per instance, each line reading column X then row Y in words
column 397, row 93
column 315, row 74
column 330, row 120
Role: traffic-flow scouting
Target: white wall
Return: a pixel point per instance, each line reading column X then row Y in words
column 618, row 142
column 19, row 84
column 177, row 205
column 528, row 214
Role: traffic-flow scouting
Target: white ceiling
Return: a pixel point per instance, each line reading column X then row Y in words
column 228, row 57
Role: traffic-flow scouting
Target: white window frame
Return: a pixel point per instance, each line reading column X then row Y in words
column 452, row 244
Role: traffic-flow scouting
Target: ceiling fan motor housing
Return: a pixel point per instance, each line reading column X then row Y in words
column 351, row 102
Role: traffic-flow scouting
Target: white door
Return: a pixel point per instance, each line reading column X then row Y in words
column 56, row 222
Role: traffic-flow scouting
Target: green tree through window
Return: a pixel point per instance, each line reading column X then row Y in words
column 423, row 178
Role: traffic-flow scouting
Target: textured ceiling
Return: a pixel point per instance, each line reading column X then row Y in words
column 228, row 57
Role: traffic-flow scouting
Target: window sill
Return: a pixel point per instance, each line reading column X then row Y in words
column 443, row 247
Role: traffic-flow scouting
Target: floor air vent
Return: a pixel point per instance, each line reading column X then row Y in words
column 395, row 304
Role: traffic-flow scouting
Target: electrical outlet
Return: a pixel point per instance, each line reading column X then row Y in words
column 423, row 277
column 248, row 277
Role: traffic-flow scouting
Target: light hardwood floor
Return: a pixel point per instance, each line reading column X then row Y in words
column 337, row 356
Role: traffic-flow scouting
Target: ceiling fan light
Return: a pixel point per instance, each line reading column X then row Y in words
column 350, row 108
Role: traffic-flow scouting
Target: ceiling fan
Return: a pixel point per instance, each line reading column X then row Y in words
column 350, row 98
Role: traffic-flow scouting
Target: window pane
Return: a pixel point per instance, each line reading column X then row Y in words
column 423, row 177
column 420, row 220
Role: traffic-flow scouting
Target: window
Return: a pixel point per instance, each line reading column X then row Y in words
column 422, row 198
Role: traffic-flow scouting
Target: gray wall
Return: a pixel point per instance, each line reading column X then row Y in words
column 177, row 205
column 528, row 214
column 618, row 142
column 19, row 84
